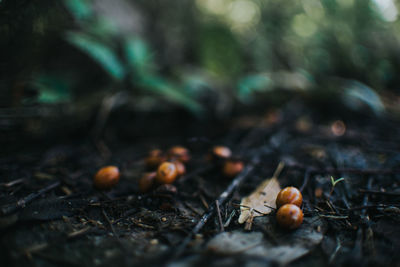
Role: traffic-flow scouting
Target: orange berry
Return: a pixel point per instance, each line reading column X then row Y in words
column 106, row 177
column 147, row 181
column 289, row 195
column 179, row 153
column 289, row 216
column 166, row 173
column 220, row 152
column 318, row 192
column 180, row 167
column 231, row 168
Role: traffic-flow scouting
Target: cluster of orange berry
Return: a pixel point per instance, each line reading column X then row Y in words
column 288, row 203
column 222, row 156
column 165, row 168
column 171, row 165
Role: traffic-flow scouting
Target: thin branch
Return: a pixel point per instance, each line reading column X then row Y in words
column 110, row 224
column 219, row 216
column 338, row 247
column 306, row 178
column 12, row 183
column 9, row 209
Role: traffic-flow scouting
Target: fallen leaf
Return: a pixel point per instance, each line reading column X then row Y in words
column 261, row 201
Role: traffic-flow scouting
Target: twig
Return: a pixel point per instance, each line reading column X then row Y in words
column 272, row 208
column 221, row 200
column 9, row 209
column 250, row 208
column 12, row 183
column 219, row 216
column 228, row 221
column 306, row 178
column 367, row 230
column 338, row 247
column 191, row 208
column 366, row 197
column 110, row 224
column 79, row 232
column 331, row 206
column 333, row 217
column 203, row 201
column 142, row 225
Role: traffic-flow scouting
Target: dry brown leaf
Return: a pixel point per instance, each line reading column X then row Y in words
column 261, row 201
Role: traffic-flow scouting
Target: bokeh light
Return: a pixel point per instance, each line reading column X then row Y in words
column 303, row 25
column 387, row 9
column 243, row 13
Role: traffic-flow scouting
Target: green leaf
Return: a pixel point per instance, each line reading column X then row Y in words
column 102, row 28
column 52, row 89
column 80, row 9
column 103, row 54
column 160, row 86
column 137, row 55
column 334, row 182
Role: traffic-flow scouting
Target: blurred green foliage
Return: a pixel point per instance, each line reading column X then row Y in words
column 52, row 89
column 232, row 50
column 100, row 38
column 220, row 52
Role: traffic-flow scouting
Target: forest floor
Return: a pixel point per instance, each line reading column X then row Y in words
column 51, row 215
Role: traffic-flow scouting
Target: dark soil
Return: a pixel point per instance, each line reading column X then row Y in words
column 71, row 223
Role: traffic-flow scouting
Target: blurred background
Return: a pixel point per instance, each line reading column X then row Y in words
column 77, row 66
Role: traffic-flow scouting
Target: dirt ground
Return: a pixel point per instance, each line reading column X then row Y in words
column 52, row 216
